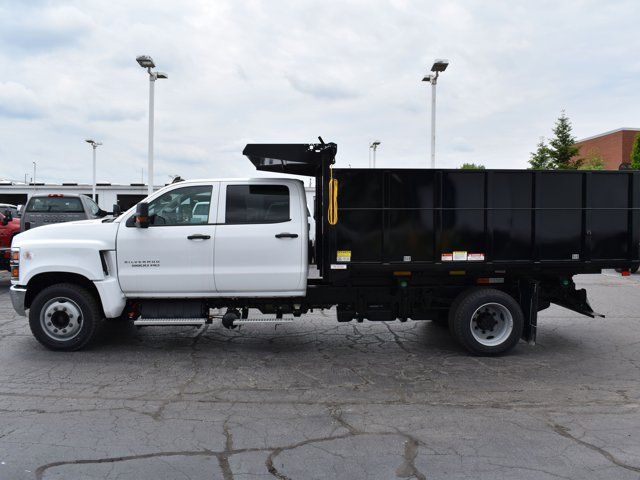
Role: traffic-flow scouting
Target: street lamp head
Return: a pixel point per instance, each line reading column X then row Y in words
column 161, row 75
column 428, row 78
column 93, row 143
column 375, row 143
column 440, row 65
column 88, row 140
column 145, row 61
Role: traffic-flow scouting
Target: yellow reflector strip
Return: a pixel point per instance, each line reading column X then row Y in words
column 402, row 274
column 457, row 272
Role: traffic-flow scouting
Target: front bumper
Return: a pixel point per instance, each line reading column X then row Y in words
column 18, row 295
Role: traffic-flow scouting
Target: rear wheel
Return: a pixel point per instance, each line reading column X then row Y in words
column 64, row 317
column 486, row 321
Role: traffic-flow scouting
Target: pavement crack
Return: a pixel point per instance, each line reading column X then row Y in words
column 40, row 471
column 396, row 338
column 565, row 432
column 408, row 468
column 223, row 458
column 336, row 413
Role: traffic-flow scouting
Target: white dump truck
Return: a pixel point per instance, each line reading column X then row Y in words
column 481, row 251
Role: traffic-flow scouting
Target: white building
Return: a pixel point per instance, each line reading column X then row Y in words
column 106, row 194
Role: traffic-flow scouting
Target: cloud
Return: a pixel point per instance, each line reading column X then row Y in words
column 281, row 71
column 38, row 27
column 108, row 113
column 18, row 102
column 322, row 89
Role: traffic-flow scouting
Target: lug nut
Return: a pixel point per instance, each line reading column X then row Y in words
column 48, row 324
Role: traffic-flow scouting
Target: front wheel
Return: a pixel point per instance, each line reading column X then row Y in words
column 486, row 321
column 64, row 317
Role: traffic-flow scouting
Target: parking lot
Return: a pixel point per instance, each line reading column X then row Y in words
column 318, row 399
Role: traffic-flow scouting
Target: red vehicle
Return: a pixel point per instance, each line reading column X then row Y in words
column 9, row 227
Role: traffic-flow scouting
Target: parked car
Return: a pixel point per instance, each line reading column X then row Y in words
column 45, row 209
column 9, row 228
column 200, row 212
column 15, row 211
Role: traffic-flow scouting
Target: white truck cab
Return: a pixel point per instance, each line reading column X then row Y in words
column 252, row 242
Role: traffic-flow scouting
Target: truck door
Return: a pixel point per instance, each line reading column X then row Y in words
column 174, row 256
column 261, row 239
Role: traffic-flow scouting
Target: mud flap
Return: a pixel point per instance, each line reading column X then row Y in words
column 529, row 304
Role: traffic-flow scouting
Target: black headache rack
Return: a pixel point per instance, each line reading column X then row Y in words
column 307, row 159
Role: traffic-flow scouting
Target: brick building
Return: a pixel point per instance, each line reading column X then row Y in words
column 614, row 147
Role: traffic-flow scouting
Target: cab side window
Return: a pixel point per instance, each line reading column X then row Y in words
column 257, row 204
column 182, row 206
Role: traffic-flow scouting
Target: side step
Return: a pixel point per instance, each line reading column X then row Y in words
column 263, row 319
column 146, row 322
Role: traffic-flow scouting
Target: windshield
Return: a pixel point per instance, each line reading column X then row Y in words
column 55, row 204
column 12, row 210
column 93, row 206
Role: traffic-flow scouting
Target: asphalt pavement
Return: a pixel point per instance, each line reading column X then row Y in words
column 317, row 399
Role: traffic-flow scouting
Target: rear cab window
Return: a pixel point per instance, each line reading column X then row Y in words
column 251, row 204
column 55, row 204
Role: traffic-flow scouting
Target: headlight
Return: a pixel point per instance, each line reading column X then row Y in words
column 14, row 265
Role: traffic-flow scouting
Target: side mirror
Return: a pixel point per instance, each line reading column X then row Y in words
column 6, row 218
column 117, row 211
column 142, row 215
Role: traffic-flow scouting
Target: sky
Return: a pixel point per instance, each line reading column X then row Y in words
column 277, row 71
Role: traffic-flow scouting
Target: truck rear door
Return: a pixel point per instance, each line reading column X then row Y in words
column 261, row 238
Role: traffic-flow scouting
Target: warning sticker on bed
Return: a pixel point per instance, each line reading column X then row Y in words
column 447, row 257
column 460, row 256
column 335, row 266
column 343, row 256
column 475, row 257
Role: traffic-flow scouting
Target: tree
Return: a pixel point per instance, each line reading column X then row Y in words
column 562, row 147
column 541, row 158
column 635, row 153
column 593, row 161
column 471, row 166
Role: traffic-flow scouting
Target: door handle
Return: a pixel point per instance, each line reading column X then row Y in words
column 286, row 235
column 199, row 236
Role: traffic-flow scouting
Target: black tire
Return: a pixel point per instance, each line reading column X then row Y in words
column 501, row 314
column 79, row 300
column 441, row 320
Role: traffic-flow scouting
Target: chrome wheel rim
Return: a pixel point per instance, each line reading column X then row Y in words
column 61, row 319
column 491, row 324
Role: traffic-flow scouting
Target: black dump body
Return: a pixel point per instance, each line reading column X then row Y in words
column 475, row 220
column 439, row 221
column 408, row 242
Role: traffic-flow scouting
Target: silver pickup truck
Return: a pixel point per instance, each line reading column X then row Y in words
column 45, row 209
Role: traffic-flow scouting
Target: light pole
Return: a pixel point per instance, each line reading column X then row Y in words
column 95, row 145
column 439, row 66
column 373, row 147
column 146, row 61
